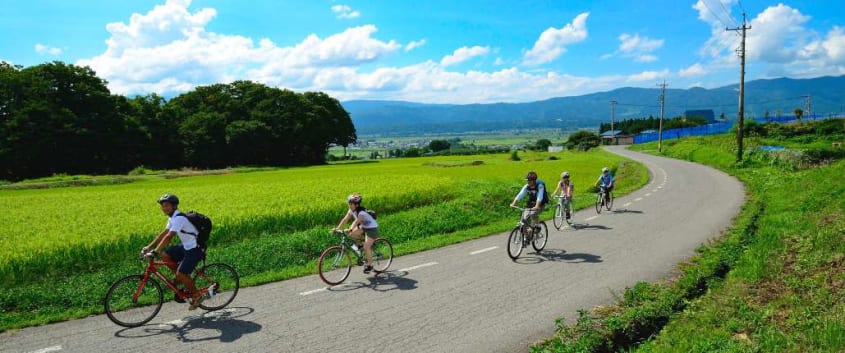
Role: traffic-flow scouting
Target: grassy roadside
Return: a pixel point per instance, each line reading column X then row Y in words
column 69, row 282
column 773, row 282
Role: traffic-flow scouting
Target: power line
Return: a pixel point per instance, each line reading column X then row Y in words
column 722, row 5
column 714, row 12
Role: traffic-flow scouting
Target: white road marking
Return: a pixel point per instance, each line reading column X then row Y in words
column 627, row 204
column 655, row 190
column 591, row 218
column 638, row 199
column 179, row 322
column 313, row 291
column 483, row 250
column 417, row 267
column 48, row 349
column 647, row 195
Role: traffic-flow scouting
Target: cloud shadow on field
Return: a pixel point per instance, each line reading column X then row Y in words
column 221, row 325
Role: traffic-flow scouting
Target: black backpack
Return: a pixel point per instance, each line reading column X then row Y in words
column 371, row 212
column 203, row 225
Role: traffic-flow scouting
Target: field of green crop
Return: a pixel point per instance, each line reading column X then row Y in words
column 60, row 248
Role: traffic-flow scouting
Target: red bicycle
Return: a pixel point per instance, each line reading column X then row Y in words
column 134, row 300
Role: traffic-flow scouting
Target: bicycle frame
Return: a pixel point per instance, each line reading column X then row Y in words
column 346, row 243
column 525, row 216
column 152, row 269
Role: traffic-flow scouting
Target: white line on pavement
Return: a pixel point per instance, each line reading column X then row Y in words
column 649, row 194
column 627, row 204
column 591, row 218
column 638, row 199
column 48, row 349
column 418, row 266
column 483, row 250
column 313, row 291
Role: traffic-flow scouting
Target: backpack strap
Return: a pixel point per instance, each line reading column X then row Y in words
column 182, row 231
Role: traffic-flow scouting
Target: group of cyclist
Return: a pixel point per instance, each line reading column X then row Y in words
column 183, row 258
column 536, row 191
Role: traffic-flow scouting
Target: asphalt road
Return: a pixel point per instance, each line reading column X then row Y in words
column 468, row 297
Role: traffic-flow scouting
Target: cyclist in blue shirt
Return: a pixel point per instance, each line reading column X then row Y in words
column 606, row 181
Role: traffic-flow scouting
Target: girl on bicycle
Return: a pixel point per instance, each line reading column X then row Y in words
column 363, row 223
column 565, row 187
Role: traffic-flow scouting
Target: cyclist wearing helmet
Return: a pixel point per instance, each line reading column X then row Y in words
column 537, row 196
column 185, row 256
column 363, row 223
column 565, row 187
column 606, row 181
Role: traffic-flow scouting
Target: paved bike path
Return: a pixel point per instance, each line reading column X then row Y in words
column 468, row 297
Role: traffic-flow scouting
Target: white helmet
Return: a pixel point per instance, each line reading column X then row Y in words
column 605, row 170
column 564, row 175
column 354, row 198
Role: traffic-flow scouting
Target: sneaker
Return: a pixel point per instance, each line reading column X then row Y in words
column 195, row 302
column 368, row 268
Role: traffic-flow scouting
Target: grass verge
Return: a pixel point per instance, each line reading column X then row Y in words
column 774, row 282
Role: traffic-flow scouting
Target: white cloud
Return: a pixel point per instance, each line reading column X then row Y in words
column 648, row 76
column 46, row 49
column 778, row 43
column 499, row 61
column 646, row 58
column 344, row 11
column 463, row 54
column 552, row 42
column 693, row 70
column 636, row 47
column 168, row 50
column 414, row 44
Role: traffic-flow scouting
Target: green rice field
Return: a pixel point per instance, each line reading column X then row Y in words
column 60, row 248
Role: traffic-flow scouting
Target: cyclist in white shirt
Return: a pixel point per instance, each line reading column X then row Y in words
column 565, row 187
column 187, row 255
column 363, row 223
column 537, row 197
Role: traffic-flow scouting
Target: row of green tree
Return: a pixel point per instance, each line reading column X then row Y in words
column 59, row 118
column 635, row 126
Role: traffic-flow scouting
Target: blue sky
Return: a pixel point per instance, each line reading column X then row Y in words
column 429, row 51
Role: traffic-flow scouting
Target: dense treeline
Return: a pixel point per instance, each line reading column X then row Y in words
column 635, row 126
column 59, row 118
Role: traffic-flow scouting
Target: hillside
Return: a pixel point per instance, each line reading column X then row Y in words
column 784, row 94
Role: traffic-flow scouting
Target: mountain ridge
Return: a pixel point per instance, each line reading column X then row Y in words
column 384, row 117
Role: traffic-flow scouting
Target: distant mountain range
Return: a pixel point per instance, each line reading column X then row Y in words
column 587, row 111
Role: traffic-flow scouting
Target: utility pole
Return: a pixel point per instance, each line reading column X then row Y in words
column 808, row 104
column 660, row 125
column 612, row 116
column 740, row 120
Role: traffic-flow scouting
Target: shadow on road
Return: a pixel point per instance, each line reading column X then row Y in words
column 221, row 325
column 579, row 226
column 383, row 282
column 625, row 210
column 558, row 256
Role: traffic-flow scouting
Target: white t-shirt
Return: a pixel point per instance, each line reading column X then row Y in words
column 181, row 225
column 368, row 223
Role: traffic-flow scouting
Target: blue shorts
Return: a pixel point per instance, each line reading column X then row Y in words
column 187, row 259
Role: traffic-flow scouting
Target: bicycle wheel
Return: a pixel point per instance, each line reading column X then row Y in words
column 609, row 203
column 131, row 302
column 541, row 237
column 334, row 265
column 558, row 219
column 598, row 203
column 515, row 243
column 382, row 254
column 223, row 279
